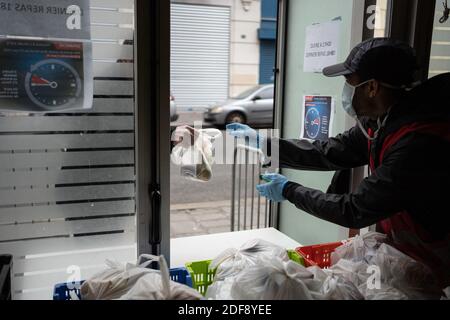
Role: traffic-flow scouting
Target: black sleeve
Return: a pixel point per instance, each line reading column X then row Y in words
column 347, row 150
column 376, row 198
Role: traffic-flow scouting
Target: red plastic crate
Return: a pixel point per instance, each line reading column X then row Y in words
column 319, row 254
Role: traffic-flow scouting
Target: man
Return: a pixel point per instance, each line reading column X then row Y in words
column 404, row 137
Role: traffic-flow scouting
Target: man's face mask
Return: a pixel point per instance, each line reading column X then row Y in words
column 348, row 94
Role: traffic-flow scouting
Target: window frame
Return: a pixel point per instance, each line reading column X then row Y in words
column 152, row 91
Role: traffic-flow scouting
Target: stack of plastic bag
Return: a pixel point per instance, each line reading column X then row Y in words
column 363, row 268
column 263, row 271
column 400, row 277
column 136, row 282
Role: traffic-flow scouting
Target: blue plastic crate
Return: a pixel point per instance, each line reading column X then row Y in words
column 62, row 292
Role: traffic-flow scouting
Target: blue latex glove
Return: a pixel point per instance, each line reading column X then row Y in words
column 274, row 189
column 241, row 131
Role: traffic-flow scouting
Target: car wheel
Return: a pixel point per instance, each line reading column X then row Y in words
column 235, row 117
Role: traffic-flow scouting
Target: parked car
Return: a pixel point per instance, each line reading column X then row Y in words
column 173, row 109
column 254, row 107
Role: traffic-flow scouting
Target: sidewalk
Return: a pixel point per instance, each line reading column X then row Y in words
column 196, row 219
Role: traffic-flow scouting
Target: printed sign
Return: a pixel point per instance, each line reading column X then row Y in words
column 317, row 117
column 67, row 19
column 321, row 46
column 44, row 76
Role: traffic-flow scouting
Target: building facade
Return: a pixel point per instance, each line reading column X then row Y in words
column 220, row 48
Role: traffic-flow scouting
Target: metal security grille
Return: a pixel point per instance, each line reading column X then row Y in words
column 248, row 210
column 267, row 63
column 67, row 181
column 200, row 54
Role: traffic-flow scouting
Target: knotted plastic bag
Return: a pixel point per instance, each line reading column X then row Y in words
column 360, row 248
column 136, row 282
column 195, row 154
column 232, row 262
column 273, row 279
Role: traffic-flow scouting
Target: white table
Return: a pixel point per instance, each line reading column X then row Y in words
column 207, row 247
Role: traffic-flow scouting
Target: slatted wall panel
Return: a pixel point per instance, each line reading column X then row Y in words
column 67, row 181
column 440, row 49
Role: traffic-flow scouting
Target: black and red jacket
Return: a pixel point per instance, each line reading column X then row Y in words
column 409, row 185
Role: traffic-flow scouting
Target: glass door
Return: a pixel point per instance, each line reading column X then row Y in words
column 316, row 34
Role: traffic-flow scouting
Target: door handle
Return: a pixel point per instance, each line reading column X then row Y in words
column 155, row 220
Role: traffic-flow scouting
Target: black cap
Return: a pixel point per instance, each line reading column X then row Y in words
column 390, row 61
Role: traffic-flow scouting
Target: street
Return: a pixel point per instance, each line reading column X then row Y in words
column 183, row 190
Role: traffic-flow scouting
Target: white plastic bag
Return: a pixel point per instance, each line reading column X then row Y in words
column 272, row 279
column 355, row 272
column 446, row 294
column 337, row 282
column 195, row 159
column 220, row 290
column 232, row 261
column 400, row 271
column 385, row 292
column 113, row 282
column 338, row 288
column 360, row 248
column 136, row 282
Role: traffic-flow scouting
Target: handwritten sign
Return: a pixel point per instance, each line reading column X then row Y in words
column 321, row 46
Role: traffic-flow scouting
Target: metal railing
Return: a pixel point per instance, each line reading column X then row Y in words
column 252, row 212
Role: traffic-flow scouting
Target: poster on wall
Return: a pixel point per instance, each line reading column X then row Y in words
column 42, row 76
column 45, row 56
column 321, row 46
column 317, row 118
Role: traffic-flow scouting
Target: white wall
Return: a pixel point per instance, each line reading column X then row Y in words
column 244, row 68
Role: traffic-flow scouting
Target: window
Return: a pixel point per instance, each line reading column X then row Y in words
column 247, row 93
column 266, row 93
column 67, row 180
column 440, row 48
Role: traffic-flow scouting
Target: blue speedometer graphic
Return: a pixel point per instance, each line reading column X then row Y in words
column 312, row 123
column 53, row 84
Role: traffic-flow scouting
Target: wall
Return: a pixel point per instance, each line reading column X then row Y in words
column 244, row 67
